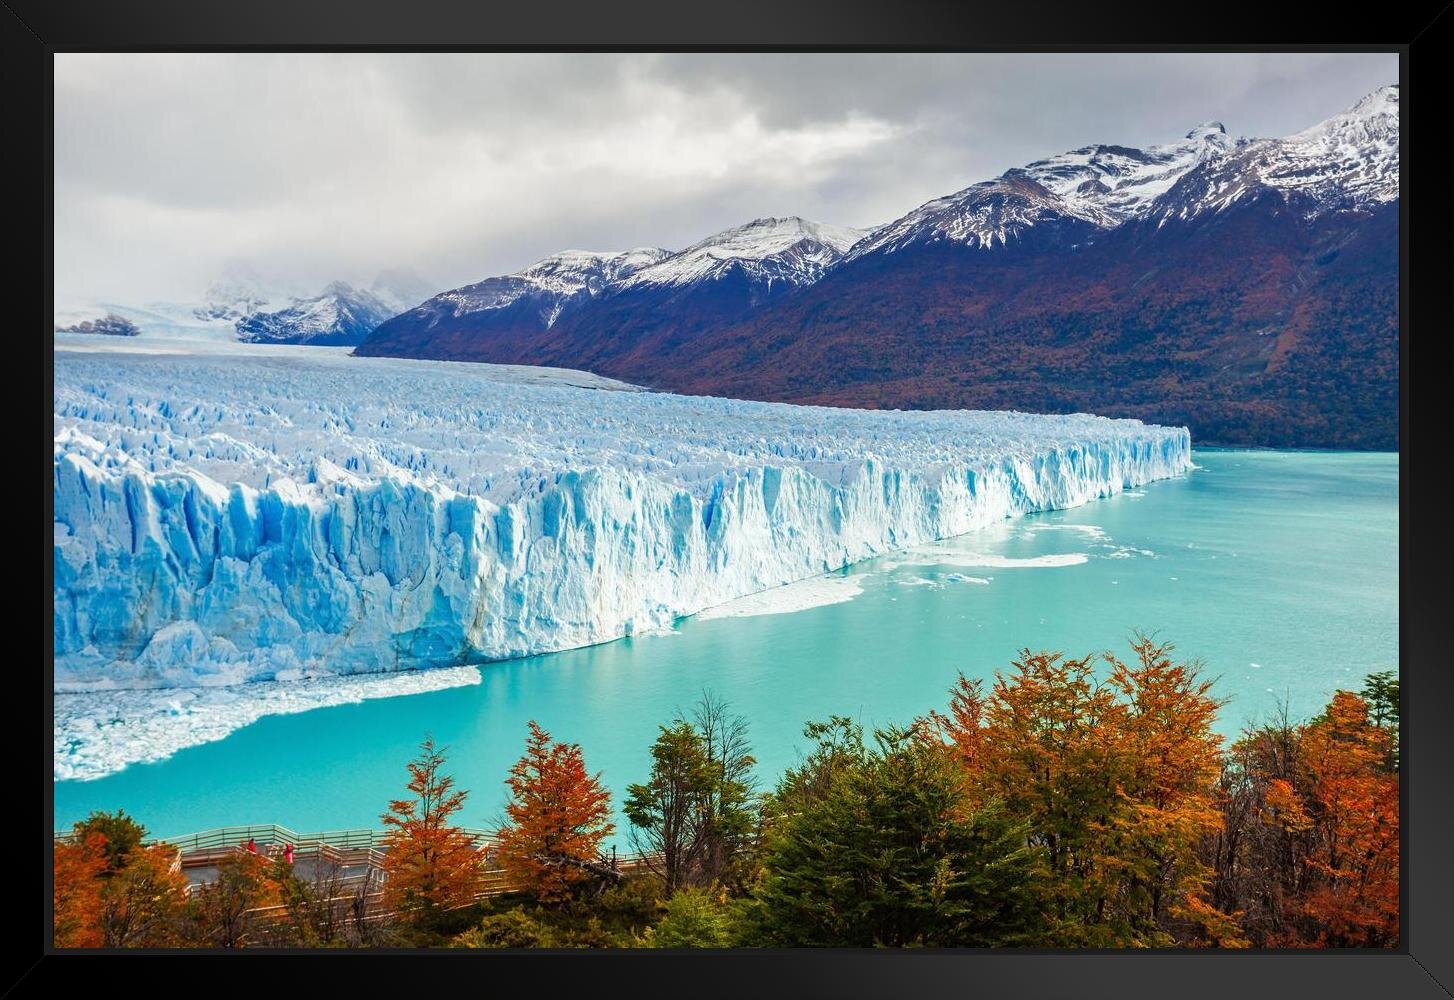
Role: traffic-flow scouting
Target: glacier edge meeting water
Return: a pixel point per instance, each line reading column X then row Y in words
column 230, row 519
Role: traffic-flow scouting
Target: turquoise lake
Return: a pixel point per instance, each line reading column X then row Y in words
column 1277, row 570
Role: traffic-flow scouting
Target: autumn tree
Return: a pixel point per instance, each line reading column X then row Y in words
column 79, row 865
column 222, row 912
column 111, row 891
column 1117, row 781
column 1354, row 809
column 558, row 815
column 142, row 903
column 430, row 865
column 1174, row 758
column 1310, row 845
column 1257, row 856
column 122, row 833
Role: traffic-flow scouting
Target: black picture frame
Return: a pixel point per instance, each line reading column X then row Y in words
column 1423, row 966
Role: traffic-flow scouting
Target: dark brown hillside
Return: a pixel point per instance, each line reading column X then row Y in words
column 1250, row 326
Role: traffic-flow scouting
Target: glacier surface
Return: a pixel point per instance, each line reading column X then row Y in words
column 276, row 515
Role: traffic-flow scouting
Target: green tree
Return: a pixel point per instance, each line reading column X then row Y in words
column 837, row 749
column 893, row 850
column 1380, row 692
column 665, row 811
column 694, row 815
column 728, row 819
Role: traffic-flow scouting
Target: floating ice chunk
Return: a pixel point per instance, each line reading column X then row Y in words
column 99, row 733
column 970, row 560
column 798, row 596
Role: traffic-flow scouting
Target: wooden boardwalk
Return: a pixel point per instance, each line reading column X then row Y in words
column 350, row 863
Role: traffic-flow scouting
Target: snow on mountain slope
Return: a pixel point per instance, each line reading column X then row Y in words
column 340, row 314
column 790, row 250
column 242, row 516
column 991, row 213
column 550, row 285
column 1109, row 184
column 1101, row 186
column 1349, row 158
column 1348, row 161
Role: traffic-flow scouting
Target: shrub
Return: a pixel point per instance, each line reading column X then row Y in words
column 511, row 929
column 695, row 918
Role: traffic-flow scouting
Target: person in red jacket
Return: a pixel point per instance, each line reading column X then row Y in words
column 252, row 845
column 288, row 854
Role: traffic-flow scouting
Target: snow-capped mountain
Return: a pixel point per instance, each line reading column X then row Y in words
column 1347, row 162
column 1110, row 184
column 546, row 287
column 627, row 298
column 242, row 305
column 1074, row 193
column 339, row 315
column 793, row 251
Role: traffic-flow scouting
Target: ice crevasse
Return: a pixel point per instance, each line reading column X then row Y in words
column 223, row 519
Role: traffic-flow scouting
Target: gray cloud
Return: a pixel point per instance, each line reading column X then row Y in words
column 318, row 166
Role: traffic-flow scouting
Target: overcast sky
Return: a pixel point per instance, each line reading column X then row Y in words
column 312, row 167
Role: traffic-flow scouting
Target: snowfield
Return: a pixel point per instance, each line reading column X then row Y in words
column 284, row 514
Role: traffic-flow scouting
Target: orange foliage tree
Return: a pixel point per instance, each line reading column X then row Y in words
column 1118, row 781
column 1310, row 848
column 430, row 865
column 142, row 903
column 1355, row 811
column 1174, row 759
column 223, row 912
column 558, row 816
column 79, row 865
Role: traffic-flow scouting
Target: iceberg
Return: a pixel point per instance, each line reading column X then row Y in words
column 270, row 515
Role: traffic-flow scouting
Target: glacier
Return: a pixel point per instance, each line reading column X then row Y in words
column 280, row 514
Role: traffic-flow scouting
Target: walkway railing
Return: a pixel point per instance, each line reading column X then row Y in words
column 266, row 834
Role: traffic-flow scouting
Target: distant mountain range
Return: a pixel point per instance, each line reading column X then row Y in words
column 341, row 314
column 241, row 305
column 1247, row 288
